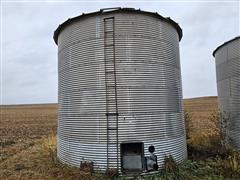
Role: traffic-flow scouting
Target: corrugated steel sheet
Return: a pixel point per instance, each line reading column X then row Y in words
column 228, row 84
column 148, row 84
column 117, row 9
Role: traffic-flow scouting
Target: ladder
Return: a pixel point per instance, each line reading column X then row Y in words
column 111, row 94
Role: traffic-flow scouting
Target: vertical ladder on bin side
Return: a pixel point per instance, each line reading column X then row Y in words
column 111, row 94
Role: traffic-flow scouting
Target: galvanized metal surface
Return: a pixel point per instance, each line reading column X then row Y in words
column 119, row 10
column 148, row 84
column 228, row 85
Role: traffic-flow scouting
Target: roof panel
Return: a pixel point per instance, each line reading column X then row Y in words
column 111, row 10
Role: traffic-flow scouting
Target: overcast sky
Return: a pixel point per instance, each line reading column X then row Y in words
column 29, row 54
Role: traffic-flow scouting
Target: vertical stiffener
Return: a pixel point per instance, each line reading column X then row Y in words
column 227, row 58
column 120, row 92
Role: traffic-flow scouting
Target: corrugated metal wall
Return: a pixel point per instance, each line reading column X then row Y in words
column 148, row 83
column 228, row 86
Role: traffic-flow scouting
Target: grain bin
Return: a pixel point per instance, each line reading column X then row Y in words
column 120, row 92
column 227, row 57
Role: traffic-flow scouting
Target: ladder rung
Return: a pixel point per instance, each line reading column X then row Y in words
column 109, row 72
column 111, row 128
column 111, row 114
column 110, row 86
column 108, row 45
column 108, row 32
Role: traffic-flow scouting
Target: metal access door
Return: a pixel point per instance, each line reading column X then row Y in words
column 132, row 157
column 111, row 93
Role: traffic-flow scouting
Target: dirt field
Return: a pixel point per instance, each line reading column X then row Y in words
column 201, row 111
column 201, row 107
column 22, row 125
column 28, row 141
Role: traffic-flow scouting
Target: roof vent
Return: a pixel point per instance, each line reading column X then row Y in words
column 109, row 9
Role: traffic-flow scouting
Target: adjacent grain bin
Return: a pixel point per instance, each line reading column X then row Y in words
column 227, row 58
column 120, row 92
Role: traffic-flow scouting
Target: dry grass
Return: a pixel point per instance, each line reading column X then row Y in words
column 202, row 125
column 40, row 162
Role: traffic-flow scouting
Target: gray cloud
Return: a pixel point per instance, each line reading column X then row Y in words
column 30, row 55
column 205, row 27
